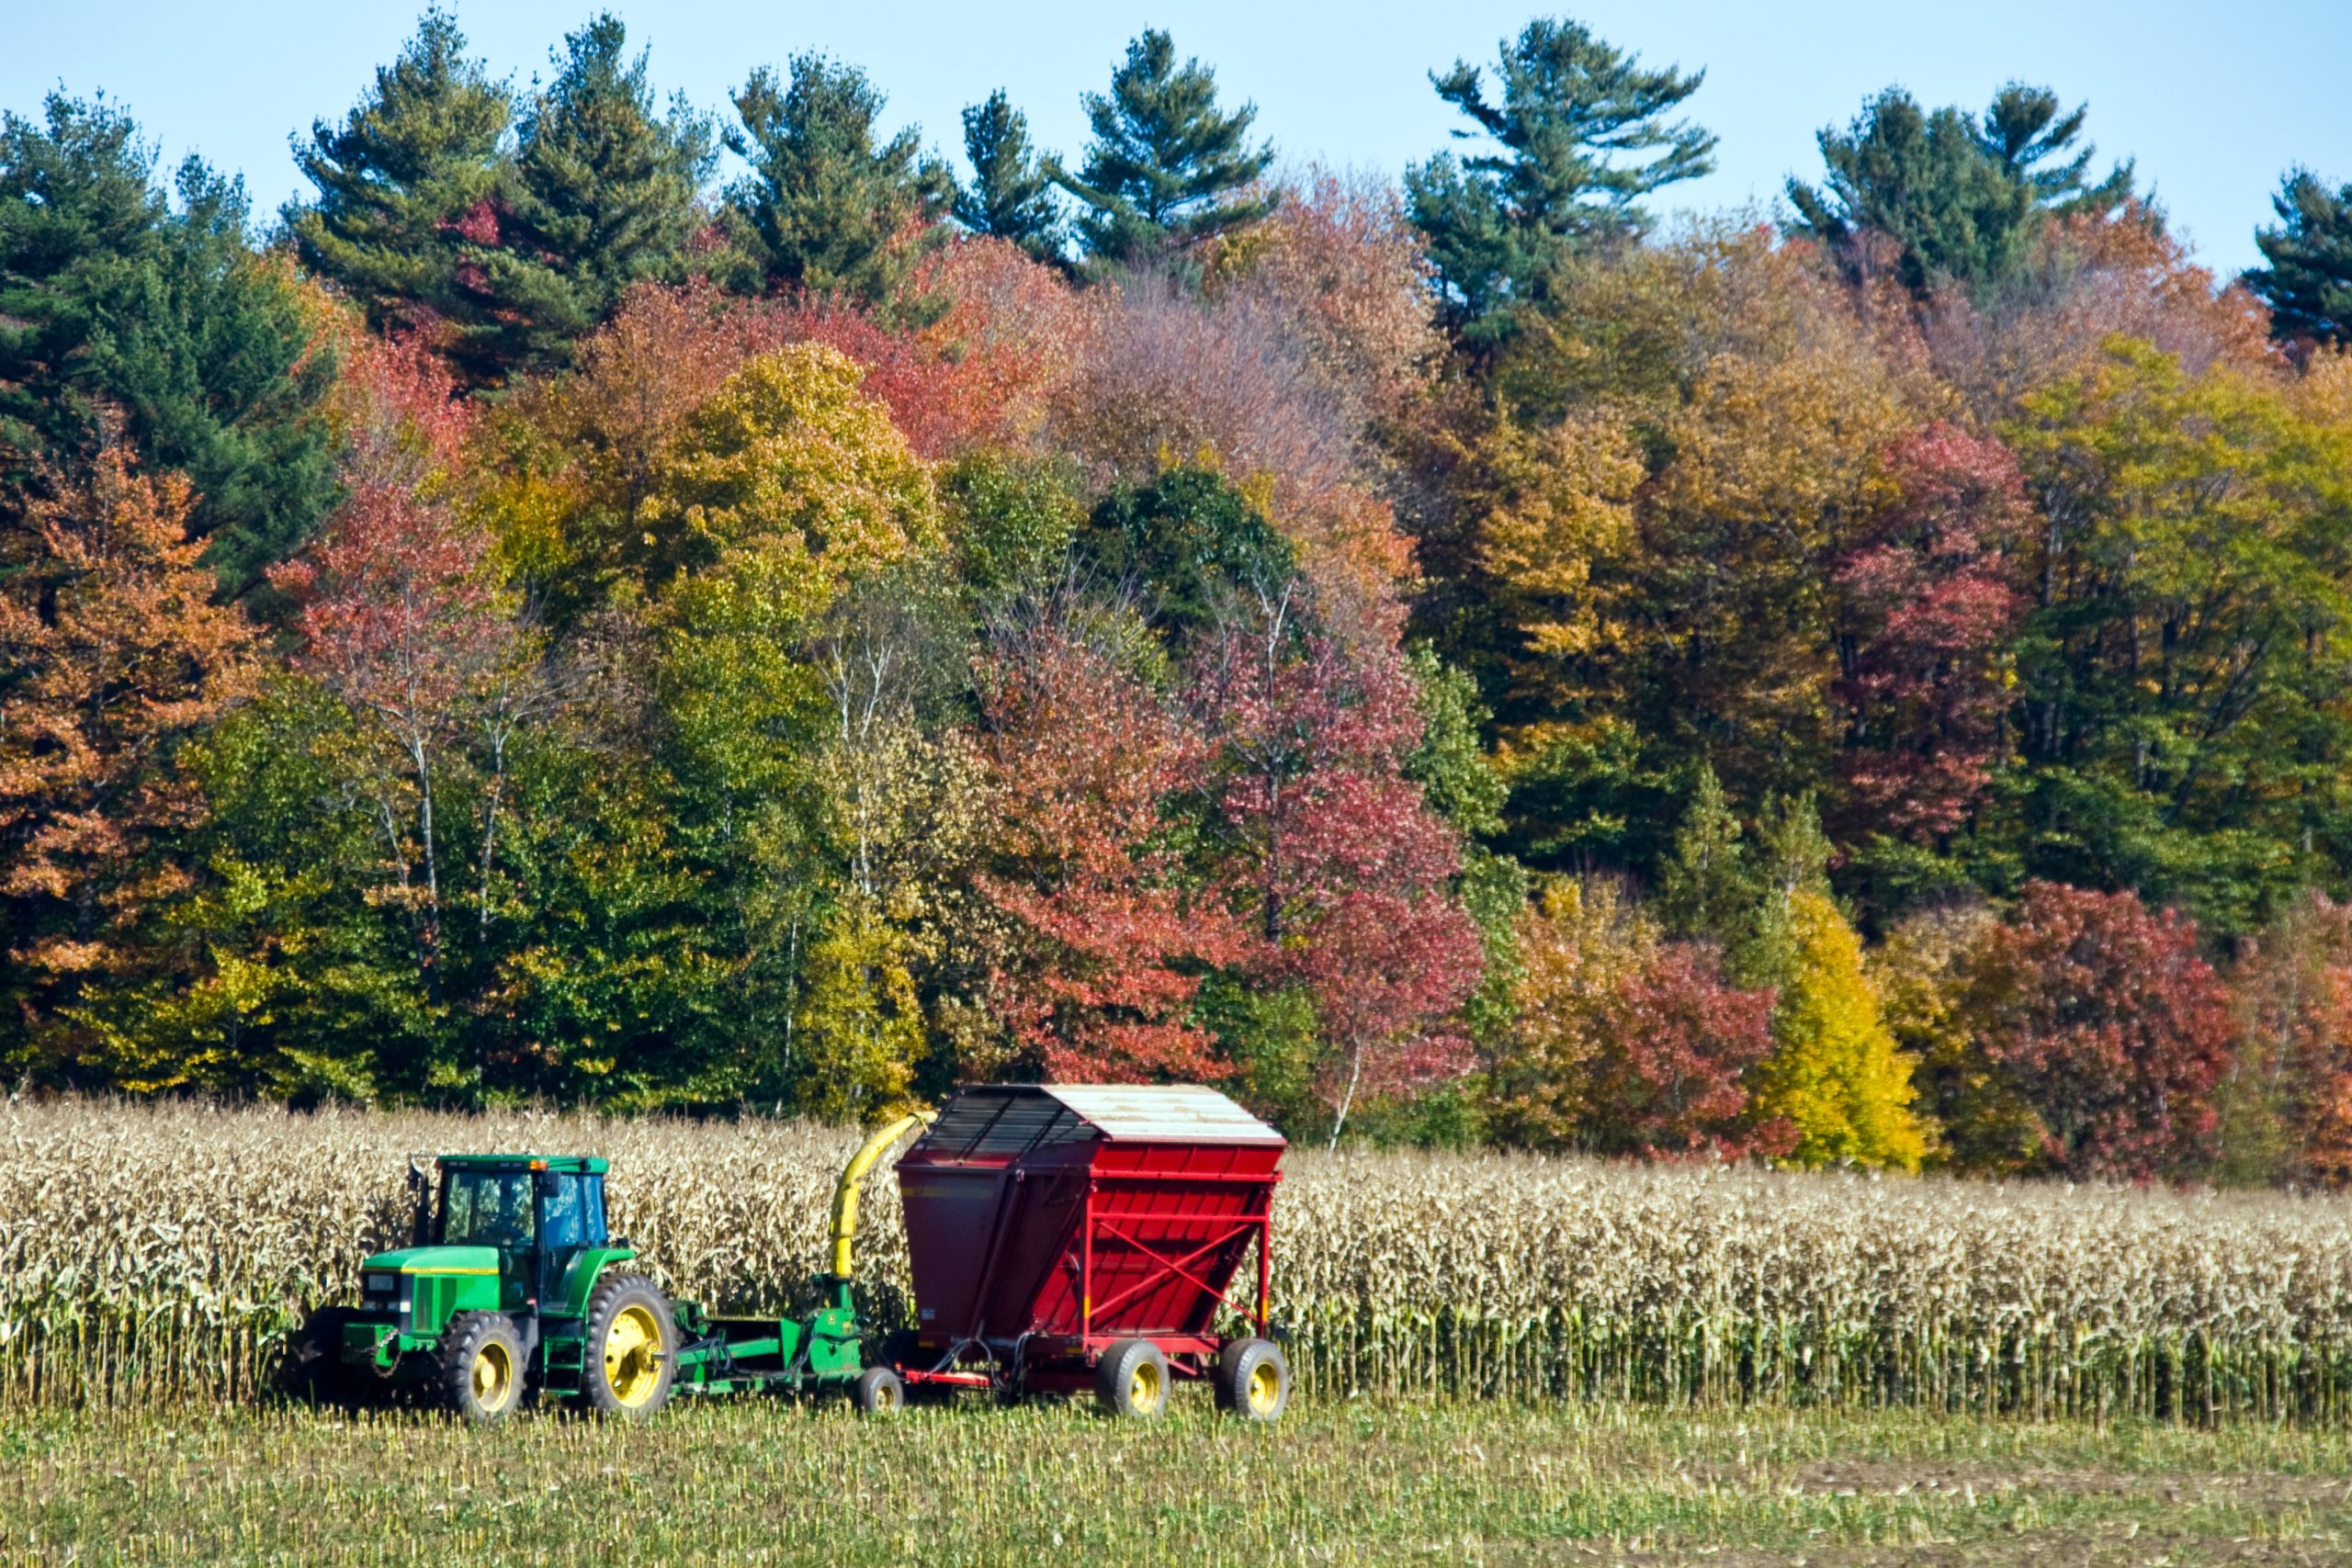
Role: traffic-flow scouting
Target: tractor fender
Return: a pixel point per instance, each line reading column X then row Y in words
column 581, row 1278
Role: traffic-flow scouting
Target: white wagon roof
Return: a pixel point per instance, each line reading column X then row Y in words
column 1185, row 1113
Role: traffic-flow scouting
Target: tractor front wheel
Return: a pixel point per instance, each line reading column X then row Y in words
column 482, row 1367
column 632, row 1346
column 878, row 1391
column 1131, row 1380
column 1253, row 1379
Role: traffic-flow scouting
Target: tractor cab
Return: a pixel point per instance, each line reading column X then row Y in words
column 522, row 1223
column 507, row 1247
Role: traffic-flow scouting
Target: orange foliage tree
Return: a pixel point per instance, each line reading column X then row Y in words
column 112, row 651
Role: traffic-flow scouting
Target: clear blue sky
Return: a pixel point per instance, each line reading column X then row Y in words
column 2214, row 102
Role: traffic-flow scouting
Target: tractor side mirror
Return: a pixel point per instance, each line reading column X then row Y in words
column 545, row 1184
column 420, row 1221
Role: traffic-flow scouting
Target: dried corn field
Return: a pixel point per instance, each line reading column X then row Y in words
column 151, row 1254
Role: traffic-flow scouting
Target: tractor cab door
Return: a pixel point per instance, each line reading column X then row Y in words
column 571, row 1219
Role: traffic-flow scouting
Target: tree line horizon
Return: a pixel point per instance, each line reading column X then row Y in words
column 1446, row 660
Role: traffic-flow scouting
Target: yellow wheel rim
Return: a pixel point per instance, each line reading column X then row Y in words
column 493, row 1377
column 1143, row 1385
column 633, row 1355
column 1265, row 1388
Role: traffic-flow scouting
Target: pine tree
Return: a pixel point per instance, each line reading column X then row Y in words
column 2308, row 284
column 1704, row 891
column 602, row 193
column 825, row 210
column 78, row 215
column 2023, row 130
column 1792, row 861
column 112, row 298
column 405, row 184
column 1572, row 108
column 1166, row 166
column 1835, row 1076
column 1963, row 198
column 1011, row 197
column 1924, row 181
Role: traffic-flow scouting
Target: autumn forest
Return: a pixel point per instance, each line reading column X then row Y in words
column 610, row 603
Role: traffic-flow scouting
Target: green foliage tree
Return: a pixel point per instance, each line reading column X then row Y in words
column 1011, row 523
column 117, row 303
column 828, row 209
column 2194, row 575
column 1012, row 193
column 1462, row 787
column 404, row 186
column 602, row 193
column 1186, row 542
column 1166, row 166
column 1582, row 137
column 1960, row 198
column 1706, row 888
column 2025, row 131
column 2307, row 283
column 1924, row 181
column 1835, row 1076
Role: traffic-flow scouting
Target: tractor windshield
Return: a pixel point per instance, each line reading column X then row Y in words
column 488, row 1208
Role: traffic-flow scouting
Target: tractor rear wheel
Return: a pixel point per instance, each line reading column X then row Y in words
column 1253, row 1379
column 1131, row 1380
column 482, row 1367
column 879, row 1390
column 632, row 1343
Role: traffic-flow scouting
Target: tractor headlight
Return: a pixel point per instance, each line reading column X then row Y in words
column 381, row 1284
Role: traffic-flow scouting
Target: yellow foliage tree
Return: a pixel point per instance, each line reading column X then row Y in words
column 1576, row 948
column 792, row 472
column 1835, row 1072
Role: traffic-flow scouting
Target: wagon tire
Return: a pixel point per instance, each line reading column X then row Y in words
column 1253, row 1379
column 879, row 1390
column 630, row 1357
column 1131, row 1380
column 480, row 1373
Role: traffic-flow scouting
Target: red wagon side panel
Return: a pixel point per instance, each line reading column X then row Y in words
column 1062, row 1218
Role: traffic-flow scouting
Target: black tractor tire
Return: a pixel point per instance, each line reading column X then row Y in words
column 1131, row 1380
column 482, row 1372
column 630, row 1361
column 315, row 1370
column 1253, row 1379
column 879, row 1390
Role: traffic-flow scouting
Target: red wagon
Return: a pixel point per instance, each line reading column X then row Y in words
column 1064, row 1235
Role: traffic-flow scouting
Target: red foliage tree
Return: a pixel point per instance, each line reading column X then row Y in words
column 1338, row 864
column 1678, row 1041
column 1929, row 604
column 402, row 617
column 1106, row 945
column 2106, row 1026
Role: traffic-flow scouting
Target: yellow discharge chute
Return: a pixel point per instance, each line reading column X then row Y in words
column 853, row 1177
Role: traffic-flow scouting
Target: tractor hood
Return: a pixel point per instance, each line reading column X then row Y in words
column 437, row 1260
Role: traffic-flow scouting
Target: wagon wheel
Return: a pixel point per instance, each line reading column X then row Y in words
column 1131, row 1380
column 1253, row 1379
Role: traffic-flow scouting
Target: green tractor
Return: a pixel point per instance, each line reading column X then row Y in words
column 513, row 1290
